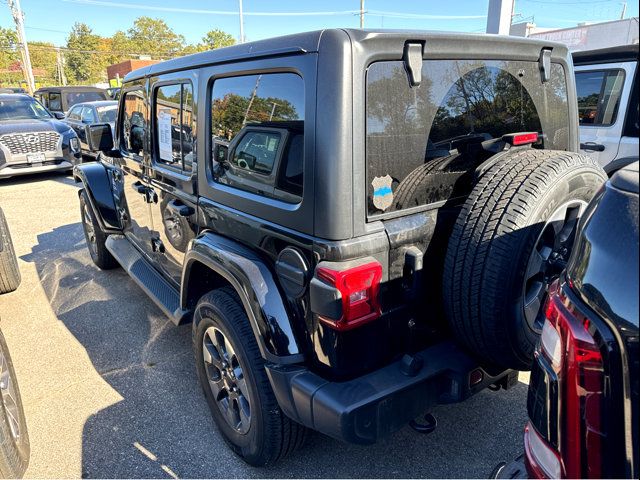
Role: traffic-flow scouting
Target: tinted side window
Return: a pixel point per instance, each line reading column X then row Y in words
column 54, row 102
column 175, row 125
column 74, row 113
column 599, row 96
column 88, row 115
column 255, row 119
column 134, row 125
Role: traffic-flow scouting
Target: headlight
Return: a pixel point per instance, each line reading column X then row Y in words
column 74, row 144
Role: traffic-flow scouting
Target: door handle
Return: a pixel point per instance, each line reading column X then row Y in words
column 139, row 187
column 592, row 146
column 180, row 209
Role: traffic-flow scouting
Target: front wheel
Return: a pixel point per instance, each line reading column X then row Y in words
column 94, row 236
column 232, row 374
column 511, row 240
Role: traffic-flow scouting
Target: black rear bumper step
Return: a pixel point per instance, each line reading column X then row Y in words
column 147, row 278
column 370, row 407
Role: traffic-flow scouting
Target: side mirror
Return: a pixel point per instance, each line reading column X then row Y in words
column 59, row 115
column 99, row 137
column 221, row 154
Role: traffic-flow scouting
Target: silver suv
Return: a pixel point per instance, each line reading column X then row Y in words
column 32, row 140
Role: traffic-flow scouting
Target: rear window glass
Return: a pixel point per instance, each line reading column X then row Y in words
column 599, row 96
column 424, row 142
column 82, row 97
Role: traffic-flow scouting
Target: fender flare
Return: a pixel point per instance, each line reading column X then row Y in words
column 615, row 165
column 97, row 183
column 253, row 282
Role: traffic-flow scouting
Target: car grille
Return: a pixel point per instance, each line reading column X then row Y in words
column 20, row 143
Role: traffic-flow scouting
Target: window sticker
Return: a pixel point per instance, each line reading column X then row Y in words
column 382, row 193
column 164, row 136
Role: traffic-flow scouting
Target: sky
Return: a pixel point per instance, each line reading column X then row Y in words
column 51, row 20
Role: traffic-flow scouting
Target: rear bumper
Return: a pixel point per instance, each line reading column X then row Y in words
column 370, row 407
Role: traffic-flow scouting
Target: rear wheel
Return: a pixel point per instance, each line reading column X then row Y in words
column 513, row 238
column 235, row 383
column 9, row 272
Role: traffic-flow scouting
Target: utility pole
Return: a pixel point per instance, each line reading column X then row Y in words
column 18, row 17
column 499, row 16
column 241, row 21
column 624, row 10
column 62, row 78
column 361, row 13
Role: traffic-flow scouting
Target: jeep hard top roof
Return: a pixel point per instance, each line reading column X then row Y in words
column 69, row 89
column 623, row 53
column 437, row 45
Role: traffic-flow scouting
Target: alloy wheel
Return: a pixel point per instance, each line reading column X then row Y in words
column 9, row 397
column 549, row 258
column 226, row 379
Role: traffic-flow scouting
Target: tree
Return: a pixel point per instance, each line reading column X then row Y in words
column 10, row 72
column 152, row 36
column 83, row 64
column 217, row 39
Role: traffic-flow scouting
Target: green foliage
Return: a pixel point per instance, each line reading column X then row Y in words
column 153, row 35
column 82, row 65
column 9, row 57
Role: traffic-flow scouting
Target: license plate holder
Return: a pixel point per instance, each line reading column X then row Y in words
column 36, row 159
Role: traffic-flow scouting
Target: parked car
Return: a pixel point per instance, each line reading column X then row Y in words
column 607, row 86
column 60, row 99
column 14, row 437
column 89, row 113
column 32, row 140
column 12, row 90
column 360, row 225
column 584, row 390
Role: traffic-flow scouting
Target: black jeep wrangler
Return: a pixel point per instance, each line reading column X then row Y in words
column 360, row 225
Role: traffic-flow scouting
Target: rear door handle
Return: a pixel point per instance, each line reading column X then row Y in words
column 180, row 209
column 592, row 146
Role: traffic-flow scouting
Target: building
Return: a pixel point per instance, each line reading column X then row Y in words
column 116, row 72
column 584, row 36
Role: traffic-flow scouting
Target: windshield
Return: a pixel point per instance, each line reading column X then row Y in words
column 424, row 142
column 22, row 110
column 81, row 97
column 107, row 114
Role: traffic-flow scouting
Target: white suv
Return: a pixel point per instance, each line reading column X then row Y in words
column 607, row 88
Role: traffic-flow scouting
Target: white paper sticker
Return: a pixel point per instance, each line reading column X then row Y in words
column 164, row 137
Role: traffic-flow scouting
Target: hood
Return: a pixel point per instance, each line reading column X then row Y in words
column 34, row 125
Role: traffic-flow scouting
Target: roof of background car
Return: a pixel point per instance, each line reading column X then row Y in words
column 70, row 88
column 16, row 96
column 99, row 103
column 310, row 42
column 623, row 53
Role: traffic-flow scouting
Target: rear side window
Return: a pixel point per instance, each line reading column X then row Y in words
column 257, row 124
column 88, row 115
column 175, row 125
column 599, row 94
column 82, row 97
column 74, row 113
column 55, row 102
column 423, row 143
column 134, row 123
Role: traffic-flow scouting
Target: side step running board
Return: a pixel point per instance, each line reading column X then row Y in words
column 147, row 278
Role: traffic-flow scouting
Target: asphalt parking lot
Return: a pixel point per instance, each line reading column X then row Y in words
column 110, row 390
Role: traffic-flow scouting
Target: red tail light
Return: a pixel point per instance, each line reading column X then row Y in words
column 358, row 287
column 575, row 356
column 523, row 138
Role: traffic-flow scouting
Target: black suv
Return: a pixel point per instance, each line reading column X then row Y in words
column 584, row 392
column 360, row 225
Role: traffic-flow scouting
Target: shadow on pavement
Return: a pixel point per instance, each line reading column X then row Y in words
column 162, row 427
column 57, row 176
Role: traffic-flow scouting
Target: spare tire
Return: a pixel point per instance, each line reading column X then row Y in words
column 512, row 238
